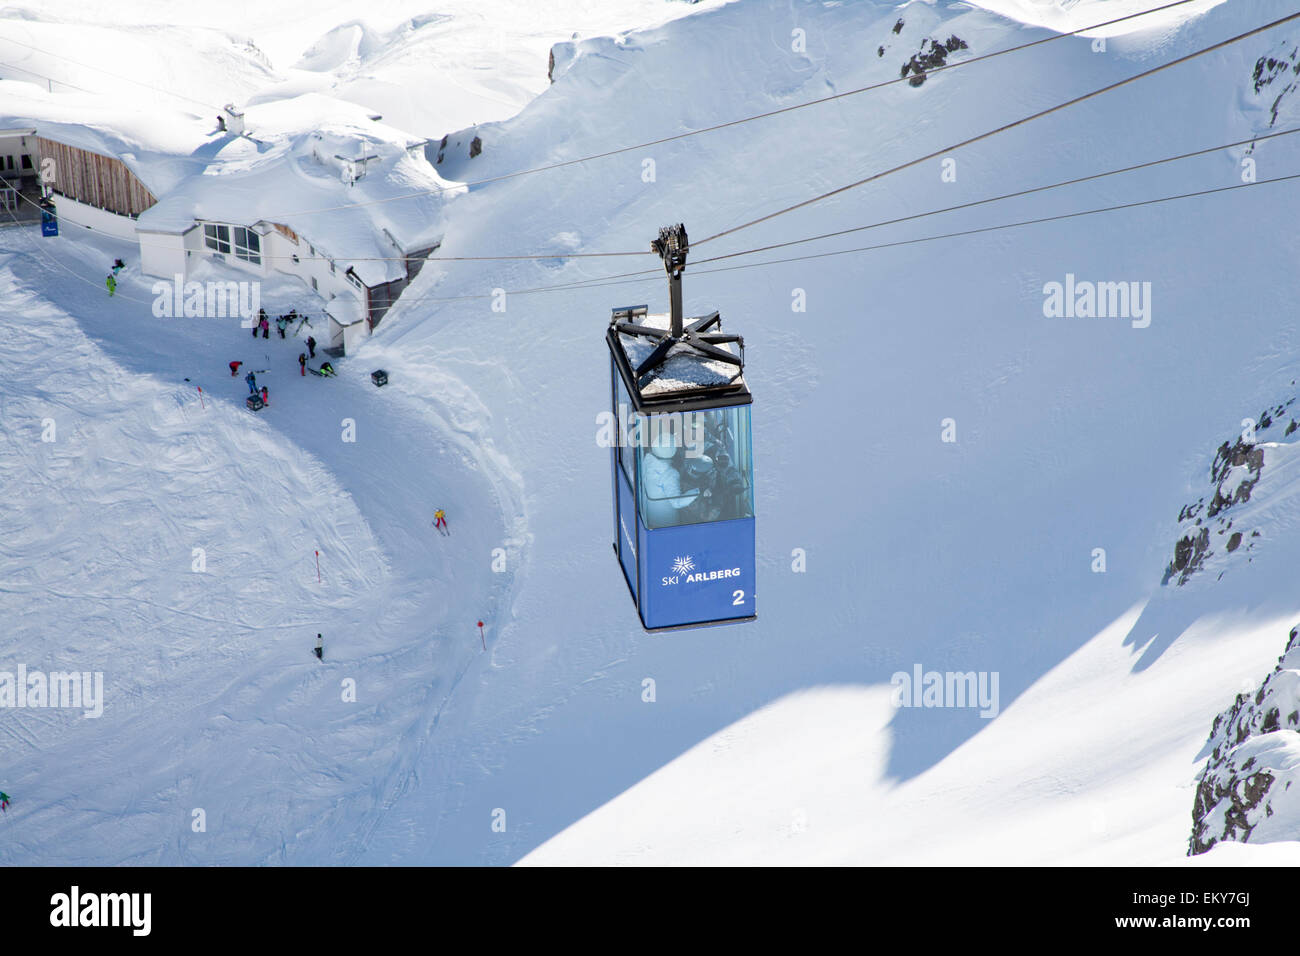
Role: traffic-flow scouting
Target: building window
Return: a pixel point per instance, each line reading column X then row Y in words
column 352, row 277
column 244, row 243
column 216, row 238
column 248, row 245
column 314, row 288
column 27, row 161
column 331, row 267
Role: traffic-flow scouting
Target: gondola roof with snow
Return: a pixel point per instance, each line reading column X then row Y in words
column 683, row 371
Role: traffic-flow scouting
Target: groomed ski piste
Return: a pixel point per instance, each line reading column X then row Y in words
column 776, row 741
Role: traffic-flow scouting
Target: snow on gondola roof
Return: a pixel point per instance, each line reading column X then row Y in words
column 684, row 370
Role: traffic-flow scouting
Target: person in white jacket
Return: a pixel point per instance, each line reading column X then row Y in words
column 661, row 484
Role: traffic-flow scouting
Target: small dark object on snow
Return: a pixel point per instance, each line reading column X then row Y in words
column 379, row 377
column 255, row 403
column 320, row 648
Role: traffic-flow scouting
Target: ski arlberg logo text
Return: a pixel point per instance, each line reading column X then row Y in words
column 684, row 573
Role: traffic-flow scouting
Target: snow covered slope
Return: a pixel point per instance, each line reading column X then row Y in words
column 976, row 555
column 776, row 741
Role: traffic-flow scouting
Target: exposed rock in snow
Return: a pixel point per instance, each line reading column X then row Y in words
column 933, row 54
column 1234, row 472
column 1244, row 791
column 1277, row 76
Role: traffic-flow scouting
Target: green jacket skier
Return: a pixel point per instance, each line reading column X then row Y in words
column 111, row 283
column 4, row 801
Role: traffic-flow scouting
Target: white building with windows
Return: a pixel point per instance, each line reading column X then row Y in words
column 351, row 210
column 350, row 206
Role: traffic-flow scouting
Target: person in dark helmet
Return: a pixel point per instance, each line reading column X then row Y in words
column 698, row 473
column 302, row 363
column 311, row 347
column 729, row 489
column 251, row 381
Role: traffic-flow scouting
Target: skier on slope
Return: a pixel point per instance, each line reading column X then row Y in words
column 280, row 323
column 251, row 381
column 4, row 801
column 234, row 368
column 111, row 282
column 440, row 521
column 265, row 326
column 320, row 649
column 302, row 363
column 326, row 369
column 266, row 399
column 311, row 347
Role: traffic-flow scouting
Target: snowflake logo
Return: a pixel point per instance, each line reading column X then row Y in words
column 683, row 565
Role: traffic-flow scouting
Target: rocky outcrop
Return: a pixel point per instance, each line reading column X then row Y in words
column 1279, row 74
column 933, row 54
column 1205, row 524
column 1245, row 792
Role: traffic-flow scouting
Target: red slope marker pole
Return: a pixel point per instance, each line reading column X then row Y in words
column 480, row 634
column 201, row 401
column 318, row 567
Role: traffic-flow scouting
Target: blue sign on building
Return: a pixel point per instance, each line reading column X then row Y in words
column 49, row 221
column 682, row 465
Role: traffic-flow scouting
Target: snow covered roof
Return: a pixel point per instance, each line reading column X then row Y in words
column 346, row 310
column 286, row 170
column 159, row 146
column 281, row 174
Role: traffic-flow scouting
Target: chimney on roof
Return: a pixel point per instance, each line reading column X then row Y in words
column 234, row 120
column 354, row 169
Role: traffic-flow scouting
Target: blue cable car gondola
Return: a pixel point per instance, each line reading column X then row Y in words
column 682, row 467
